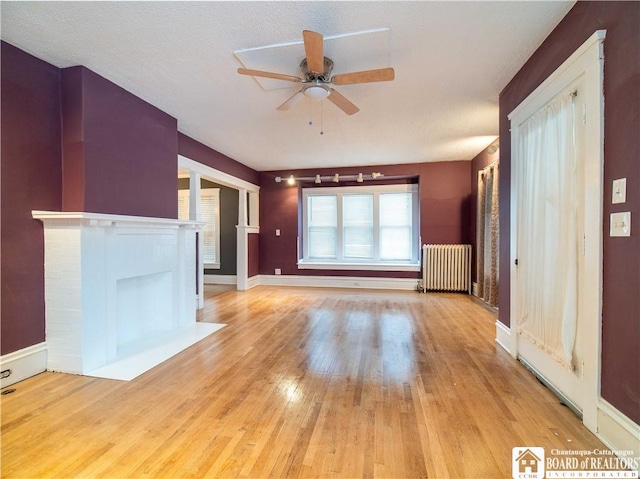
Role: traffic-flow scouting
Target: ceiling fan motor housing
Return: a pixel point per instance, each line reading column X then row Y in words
column 310, row 76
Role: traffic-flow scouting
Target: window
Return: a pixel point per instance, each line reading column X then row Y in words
column 210, row 211
column 323, row 226
column 361, row 227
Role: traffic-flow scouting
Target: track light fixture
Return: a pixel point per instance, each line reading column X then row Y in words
column 335, row 178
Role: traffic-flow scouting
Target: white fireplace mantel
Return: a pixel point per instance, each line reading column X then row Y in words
column 104, row 220
column 113, row 283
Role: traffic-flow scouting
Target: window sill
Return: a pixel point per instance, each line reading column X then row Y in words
column 212, row 266
column 359, row 266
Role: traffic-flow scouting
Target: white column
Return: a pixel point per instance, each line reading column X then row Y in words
column 247, row 224
column 242, row 267
column 243, row 219
column 195, row 214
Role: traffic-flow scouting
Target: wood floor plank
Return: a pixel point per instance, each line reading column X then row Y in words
column 302, row 383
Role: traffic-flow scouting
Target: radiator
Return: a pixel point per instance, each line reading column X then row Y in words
column 446, row 267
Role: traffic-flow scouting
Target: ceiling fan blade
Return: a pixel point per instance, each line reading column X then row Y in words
column 297, row 96
column 314, row 49
column 367, row 76
column 341, row 102
column 275, row 76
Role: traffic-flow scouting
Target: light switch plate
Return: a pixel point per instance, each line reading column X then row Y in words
column 620, row 224
column 619, row 193
column 277, row 232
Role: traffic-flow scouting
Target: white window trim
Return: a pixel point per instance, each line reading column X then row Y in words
column 365, row 265
column 213, row 192
column 343, row 266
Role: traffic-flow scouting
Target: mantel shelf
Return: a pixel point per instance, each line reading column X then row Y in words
column 105, row 220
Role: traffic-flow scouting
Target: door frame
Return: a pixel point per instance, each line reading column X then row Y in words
column 248, row 216
column 587, row 60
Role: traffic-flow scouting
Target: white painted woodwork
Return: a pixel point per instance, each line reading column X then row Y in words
column 111, row 283
column 586, row 68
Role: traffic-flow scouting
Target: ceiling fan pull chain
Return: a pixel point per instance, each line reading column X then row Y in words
column 322, row 117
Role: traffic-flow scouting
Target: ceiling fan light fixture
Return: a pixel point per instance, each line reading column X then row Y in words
column 316, row 91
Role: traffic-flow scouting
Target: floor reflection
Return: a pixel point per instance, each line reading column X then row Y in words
column 397, row 351
column 339, row 343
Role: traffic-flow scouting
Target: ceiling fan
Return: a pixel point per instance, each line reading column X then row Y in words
column 317, row 79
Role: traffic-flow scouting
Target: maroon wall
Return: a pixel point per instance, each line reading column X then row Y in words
column 445, row 207
column 253, row 255
column 119, row 152
column 445, row 190
column 621, row 271
column 482, row 160
column 196, row 151
column 31, row 174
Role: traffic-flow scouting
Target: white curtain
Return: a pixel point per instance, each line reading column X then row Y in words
column 547, row 235
column 488, row 234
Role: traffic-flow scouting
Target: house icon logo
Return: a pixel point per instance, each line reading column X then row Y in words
column 527, row 462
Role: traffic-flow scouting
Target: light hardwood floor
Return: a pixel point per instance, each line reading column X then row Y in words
column 301, row 383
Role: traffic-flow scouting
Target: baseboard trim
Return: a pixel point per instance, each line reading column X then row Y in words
column 404, row 284
column 220, row 279
column 253, row 281
column 24, row 363
column 617, row 431
column 503, row 336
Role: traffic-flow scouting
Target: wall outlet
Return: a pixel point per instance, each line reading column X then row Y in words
column 277, row 232
column 278, row 271
column 620, row 224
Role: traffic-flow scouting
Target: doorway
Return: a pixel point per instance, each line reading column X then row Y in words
column 556, row 229
column 248, row 216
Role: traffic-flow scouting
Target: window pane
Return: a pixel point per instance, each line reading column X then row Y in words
column 210, row 214
column 395, row 226
column 323, row 210
column 395, row 209
column 358, row 209
column 358, row 226
column 210, row 209
column 322, row 226
column 322, row 242
column 395, row 243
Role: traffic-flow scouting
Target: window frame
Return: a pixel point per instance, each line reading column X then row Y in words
column 375, row 264
column 215, row 193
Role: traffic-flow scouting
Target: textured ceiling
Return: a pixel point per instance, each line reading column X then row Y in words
column 451, row 60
